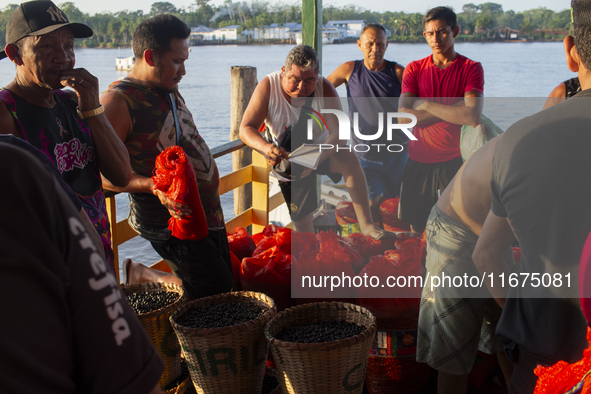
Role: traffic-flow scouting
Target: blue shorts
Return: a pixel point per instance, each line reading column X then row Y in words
column 384, row 176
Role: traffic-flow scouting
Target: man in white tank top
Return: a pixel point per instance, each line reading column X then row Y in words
column 272, row 103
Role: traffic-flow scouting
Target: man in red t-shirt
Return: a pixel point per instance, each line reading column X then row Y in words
column 444, row 92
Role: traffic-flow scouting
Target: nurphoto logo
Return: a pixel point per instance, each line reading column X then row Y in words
column 345, row 129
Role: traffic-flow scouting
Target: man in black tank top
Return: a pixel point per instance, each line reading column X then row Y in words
column 370, row 78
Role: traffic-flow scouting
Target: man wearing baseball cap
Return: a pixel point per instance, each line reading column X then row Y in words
column 540, row 192
column 68, row 125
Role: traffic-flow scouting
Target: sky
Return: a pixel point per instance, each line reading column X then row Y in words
column 100, row 6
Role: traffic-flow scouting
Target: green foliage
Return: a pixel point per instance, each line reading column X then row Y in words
column 476, row 21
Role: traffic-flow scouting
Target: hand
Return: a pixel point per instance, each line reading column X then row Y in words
column 85, row 85
column 420, row 104
column 273, row 154
column 176, row 210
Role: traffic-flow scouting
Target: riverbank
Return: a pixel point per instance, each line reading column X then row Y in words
column 347, row 41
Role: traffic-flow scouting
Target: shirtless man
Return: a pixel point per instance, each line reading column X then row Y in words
column 456, row 322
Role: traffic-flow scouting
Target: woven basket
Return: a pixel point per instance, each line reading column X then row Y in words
column 159, row 330
column 328, row 367
column 226, row 360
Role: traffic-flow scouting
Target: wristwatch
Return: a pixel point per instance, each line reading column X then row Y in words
column 89, row 114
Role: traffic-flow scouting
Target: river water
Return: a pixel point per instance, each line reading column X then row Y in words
column 513, row 72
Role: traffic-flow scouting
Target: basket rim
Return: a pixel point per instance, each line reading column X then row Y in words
column 219, row 298
column 369, row 330
column 145, row 287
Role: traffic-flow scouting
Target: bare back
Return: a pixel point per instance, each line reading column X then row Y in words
column 467, row 197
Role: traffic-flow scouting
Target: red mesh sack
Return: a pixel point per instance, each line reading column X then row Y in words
column 257, row 238
column 302, row 242
column 401, row 310
column 236, row 271
column 270, row 230
column 281, row 238
column 366, row 246
column 269, row 272
column 265, row 244
column 389, row 212
column 174, row 175
column 345, row 213
column 240, row 243
column 562, row 376
column 329, row 259
column 331, row 251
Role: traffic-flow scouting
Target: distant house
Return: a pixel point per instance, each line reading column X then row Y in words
column 273, row 32
column 198, row 32
column 203, row 33
column 352, row 27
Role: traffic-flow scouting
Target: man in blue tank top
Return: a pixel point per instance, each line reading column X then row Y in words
column 373, row 82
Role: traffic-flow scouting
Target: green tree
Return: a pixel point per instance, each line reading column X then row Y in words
column 72, row 12
column 526, row 27
column 492, row 8
column 162, row 7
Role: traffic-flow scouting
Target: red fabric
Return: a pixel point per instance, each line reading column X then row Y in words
column 439, row 142
column 174, row 175
column 389, row 212
column 562, row 376
column 240, row 243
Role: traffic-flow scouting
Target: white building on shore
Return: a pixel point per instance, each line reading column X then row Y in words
column 203, row 33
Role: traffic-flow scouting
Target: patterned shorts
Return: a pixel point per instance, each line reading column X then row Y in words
column 454, row 322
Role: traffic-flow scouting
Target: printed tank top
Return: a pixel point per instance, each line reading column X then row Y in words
column 65, row 139
column 153, row 131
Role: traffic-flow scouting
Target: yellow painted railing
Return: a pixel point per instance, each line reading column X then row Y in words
column 258, row 215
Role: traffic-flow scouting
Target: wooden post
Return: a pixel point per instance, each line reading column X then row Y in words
column 243, row 81
column 260, row 192
column 312, row 26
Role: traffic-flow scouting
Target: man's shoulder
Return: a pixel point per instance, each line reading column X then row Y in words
column 122, row 85
column 463, row 60
column 421, row 63
column 273, row 75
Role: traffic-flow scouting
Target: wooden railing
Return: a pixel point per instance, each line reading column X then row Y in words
column 258, row 215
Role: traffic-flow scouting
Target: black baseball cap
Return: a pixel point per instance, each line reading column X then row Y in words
column 580, row 12
column 36, row 18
